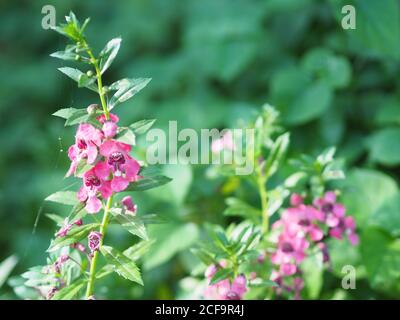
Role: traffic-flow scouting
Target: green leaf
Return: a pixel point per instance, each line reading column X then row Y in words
column 364, row 191
column 169, row 241
column 6, row 267
column 138, row 250
column 263, row 283
column 126, row 89
column 75, row 116
column 384, row 146
column 122, row 265
column 80, row 77
column 277, row 151
column 77, row 212
column 126, row 135
column 64, row 55
column 221, row 274
column 335, row 70
column 108, row 54
column 151, row 179
column 387, row 216
column 76, row 234
column 64, row 197
column 142, row 126
column 311, row 104
column 65, row 113
column 237, row 207
column 131, row 223
column 312, row 268
column 381, row 256
column 206, row 257
column 69, row 292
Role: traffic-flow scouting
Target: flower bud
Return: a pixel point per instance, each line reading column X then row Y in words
column 77, row 57
column 105, row 89
column 129, row 205
column 92, row 108
column 94, row 240
column 110, row 129
column 89, row 73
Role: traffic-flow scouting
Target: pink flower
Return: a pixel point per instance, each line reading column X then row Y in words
column 94, row 239
column 102, row 118
column 93, row 184
column 109, row 129
column 224, row 143
column 123, row 167
column 64, row 229
column 224, row 290
column 87, row 139
column 296, row 199
column 128, row 205
column 290, row 251
column 347, row 226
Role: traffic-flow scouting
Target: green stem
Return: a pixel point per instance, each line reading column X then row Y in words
column 106, row 216
column 99, row 80
column 261, row 182
column 103, row 229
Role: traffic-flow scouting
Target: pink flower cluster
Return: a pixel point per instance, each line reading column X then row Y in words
column 224, row 289
column 112, row 166
column 111, row 170
column 302, row 228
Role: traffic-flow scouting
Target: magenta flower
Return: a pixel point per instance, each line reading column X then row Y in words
column 290, row 252
column 59, row 262
column 102, row 118
column 109, row 126
column 94, row 239
column 225, row 290
column 123, row 167
column 78, row 246
column 92, row 185
column 128, row 205
column 87, row 140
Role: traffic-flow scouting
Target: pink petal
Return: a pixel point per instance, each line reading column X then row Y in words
column 93, row 205
column 296, row 200
column 330, row 197
column 288, row 269
column 91, row 152
column 102, row 170
column 119, row 184
column 353, row 238
column 82, row 194
column 339, row 210
column 132, row 168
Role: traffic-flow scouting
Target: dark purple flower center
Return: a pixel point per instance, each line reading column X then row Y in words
column 287, row 247
column 304, row 222
column 327, row 207
column 116, row 158
column 92, row 181
column 81, row 144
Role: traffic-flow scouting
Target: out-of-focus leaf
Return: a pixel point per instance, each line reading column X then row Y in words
column 6, row 267
column 221, row 274
column 387, row 216
column 384, row 146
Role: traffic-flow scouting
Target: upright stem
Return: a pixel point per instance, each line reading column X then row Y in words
column 106, row 216
column 261, row 182
column 103, row 229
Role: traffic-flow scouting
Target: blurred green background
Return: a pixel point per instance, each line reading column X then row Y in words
column 212, row 62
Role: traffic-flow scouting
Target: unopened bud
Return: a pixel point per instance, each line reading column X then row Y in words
column 92, row 108
column 89, row 73
column 77, row 57
column 105, row 89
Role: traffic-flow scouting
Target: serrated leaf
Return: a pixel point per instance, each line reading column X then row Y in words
column 130, row 223
column 122, row 265
column 108, row 54
column 76, row 234
column 64, row 197
column 126, row 89
column 69, row 292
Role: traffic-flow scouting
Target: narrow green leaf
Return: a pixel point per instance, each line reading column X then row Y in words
column 69, row 292
column 6, row 267
column 122, row 265
column 79, row 77
column 108, row 54
column 141, row 127
column 221, row 274
column 64, row 197
column 130, row 223
column 56, row 218
column 126, row 89
column 152, row 178
column 126, row 135
column 64, row 55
